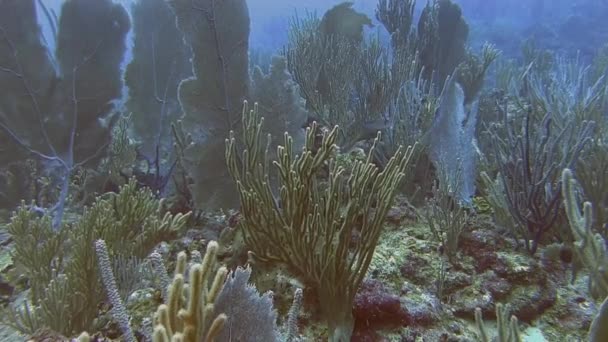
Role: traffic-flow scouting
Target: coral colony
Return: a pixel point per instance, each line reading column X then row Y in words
column 404, row 172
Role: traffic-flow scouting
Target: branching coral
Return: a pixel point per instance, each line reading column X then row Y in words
column 60, row 110
column 323, row 67
column 250, row 316
column 217, row 33
column 589, row 247
column 530, row 162
column 308, row 226
column 397, row 17
column 64, row 274
column 160, row 61
column 452, row 141
column 197, row 321
column 591, row 251
column 442, row 35
column 508, row 328
column 345, row 80
column 472, row 71
column 279, row 99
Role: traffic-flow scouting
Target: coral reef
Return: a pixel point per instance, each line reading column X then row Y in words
column 302, row 217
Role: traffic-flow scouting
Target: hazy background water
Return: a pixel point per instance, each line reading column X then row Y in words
column 566, row 26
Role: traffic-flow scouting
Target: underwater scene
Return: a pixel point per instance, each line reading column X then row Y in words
column 313, row 170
